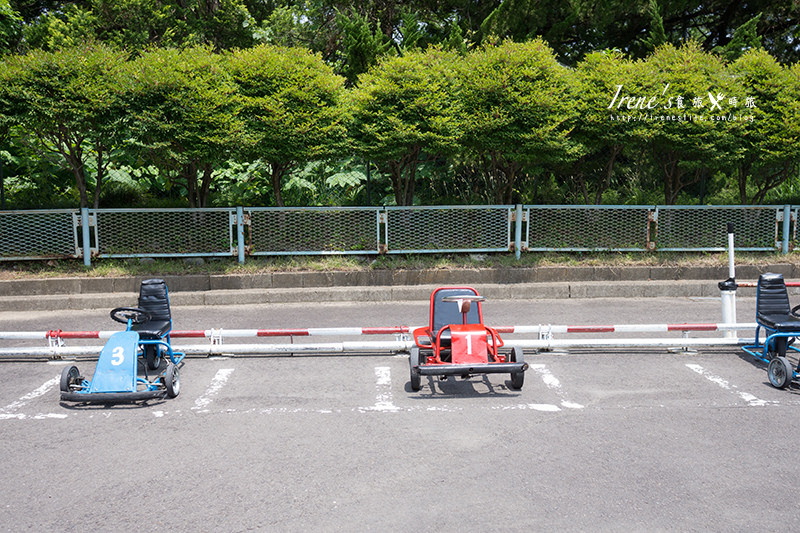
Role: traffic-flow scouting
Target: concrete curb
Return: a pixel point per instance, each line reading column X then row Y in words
column 556, row 282
column 376, row 293
column 391, row 278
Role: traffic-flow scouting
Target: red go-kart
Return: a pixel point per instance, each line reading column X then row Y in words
column 457, row 343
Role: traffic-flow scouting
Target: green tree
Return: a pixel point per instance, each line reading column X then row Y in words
column 405, row 111
column 676, row 110
column 134, row 24
column 289, row 104
column 361, row 45
column 767, row 146
column 68, row 103
column 517, row 106
column 10, row 27
column 183, row 115
column 602, row 133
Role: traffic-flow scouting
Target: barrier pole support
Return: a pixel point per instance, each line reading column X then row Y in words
column 728, row 287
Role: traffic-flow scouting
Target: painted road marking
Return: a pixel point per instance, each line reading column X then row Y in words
column 552, row 383
column 220, row 379
column 722, row 383
column 383, row 391
column 6, row 413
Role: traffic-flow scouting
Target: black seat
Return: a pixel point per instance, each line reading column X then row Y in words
column 154, row 298
column 773, row 310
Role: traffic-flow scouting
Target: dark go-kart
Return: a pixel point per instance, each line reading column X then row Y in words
column 146, row 339
column 457, row 343
column 781, row 325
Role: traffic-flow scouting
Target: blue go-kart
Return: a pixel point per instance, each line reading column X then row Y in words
column 146, row 339
column 781, row 325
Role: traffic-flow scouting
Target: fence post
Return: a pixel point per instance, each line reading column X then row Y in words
column 518, row 232
column 787, row 224
column 87, row 244
column 240, row 233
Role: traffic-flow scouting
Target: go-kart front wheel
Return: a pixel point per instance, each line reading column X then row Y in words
column 413, row 362
column 517, row 378
column 780, row 372
column 69, row 376
column 172, row 381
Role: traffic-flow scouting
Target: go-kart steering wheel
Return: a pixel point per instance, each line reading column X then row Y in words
column 134, row 314
column 794, row 311
column 464, row 302
column 464, row 298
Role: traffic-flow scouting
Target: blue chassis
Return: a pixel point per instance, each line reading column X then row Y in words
column 152, row 389
column 761, row 351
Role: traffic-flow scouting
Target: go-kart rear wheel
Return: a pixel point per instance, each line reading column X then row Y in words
column 152, row 356
column 780, row 372
column 172, row 381
column 413, row 361
column 69, row 376
column 517, row 378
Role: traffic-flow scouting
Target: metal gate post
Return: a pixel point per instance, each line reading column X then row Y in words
column 787, row 220
column 87, row 244
column 240, row 233
column 518, row 232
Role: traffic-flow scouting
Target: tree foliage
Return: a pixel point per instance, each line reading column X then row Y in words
column 183, row 115
column 68, row 103
column 456, row 100
column 288, row 104
column 516, row 106
column 405, row 111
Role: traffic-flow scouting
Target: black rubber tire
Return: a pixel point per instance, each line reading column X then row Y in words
column 413, row 360
column 69, row 376
column 780, row 372
column 517, row 378
column 152, row 356
column 172, row 381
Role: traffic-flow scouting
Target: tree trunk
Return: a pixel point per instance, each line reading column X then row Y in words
column 189, row 174
column 403, row 173
column 101, row 171
column 205, row 186
column 279, row 170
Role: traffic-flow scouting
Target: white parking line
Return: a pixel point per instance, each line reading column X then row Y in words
column 722, row 383
column 201, row 404
column 6, row 413
column 383, row 390
column 41, row 391
column 554, row 385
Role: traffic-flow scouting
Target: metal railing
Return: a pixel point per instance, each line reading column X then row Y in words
column 252, row 231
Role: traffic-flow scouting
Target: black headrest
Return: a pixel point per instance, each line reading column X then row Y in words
column 771, row 296
column 154, row 298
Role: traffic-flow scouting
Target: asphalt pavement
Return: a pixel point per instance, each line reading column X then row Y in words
column 596, row 440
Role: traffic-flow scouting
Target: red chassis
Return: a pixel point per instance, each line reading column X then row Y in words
column 457, row 343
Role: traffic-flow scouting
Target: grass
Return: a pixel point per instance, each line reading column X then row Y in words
column 135, row 267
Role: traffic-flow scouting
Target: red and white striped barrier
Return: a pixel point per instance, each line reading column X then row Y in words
column 545, row 340
column 625, row 328
column 220, row 334
column 211, row 333
column 753, row 284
